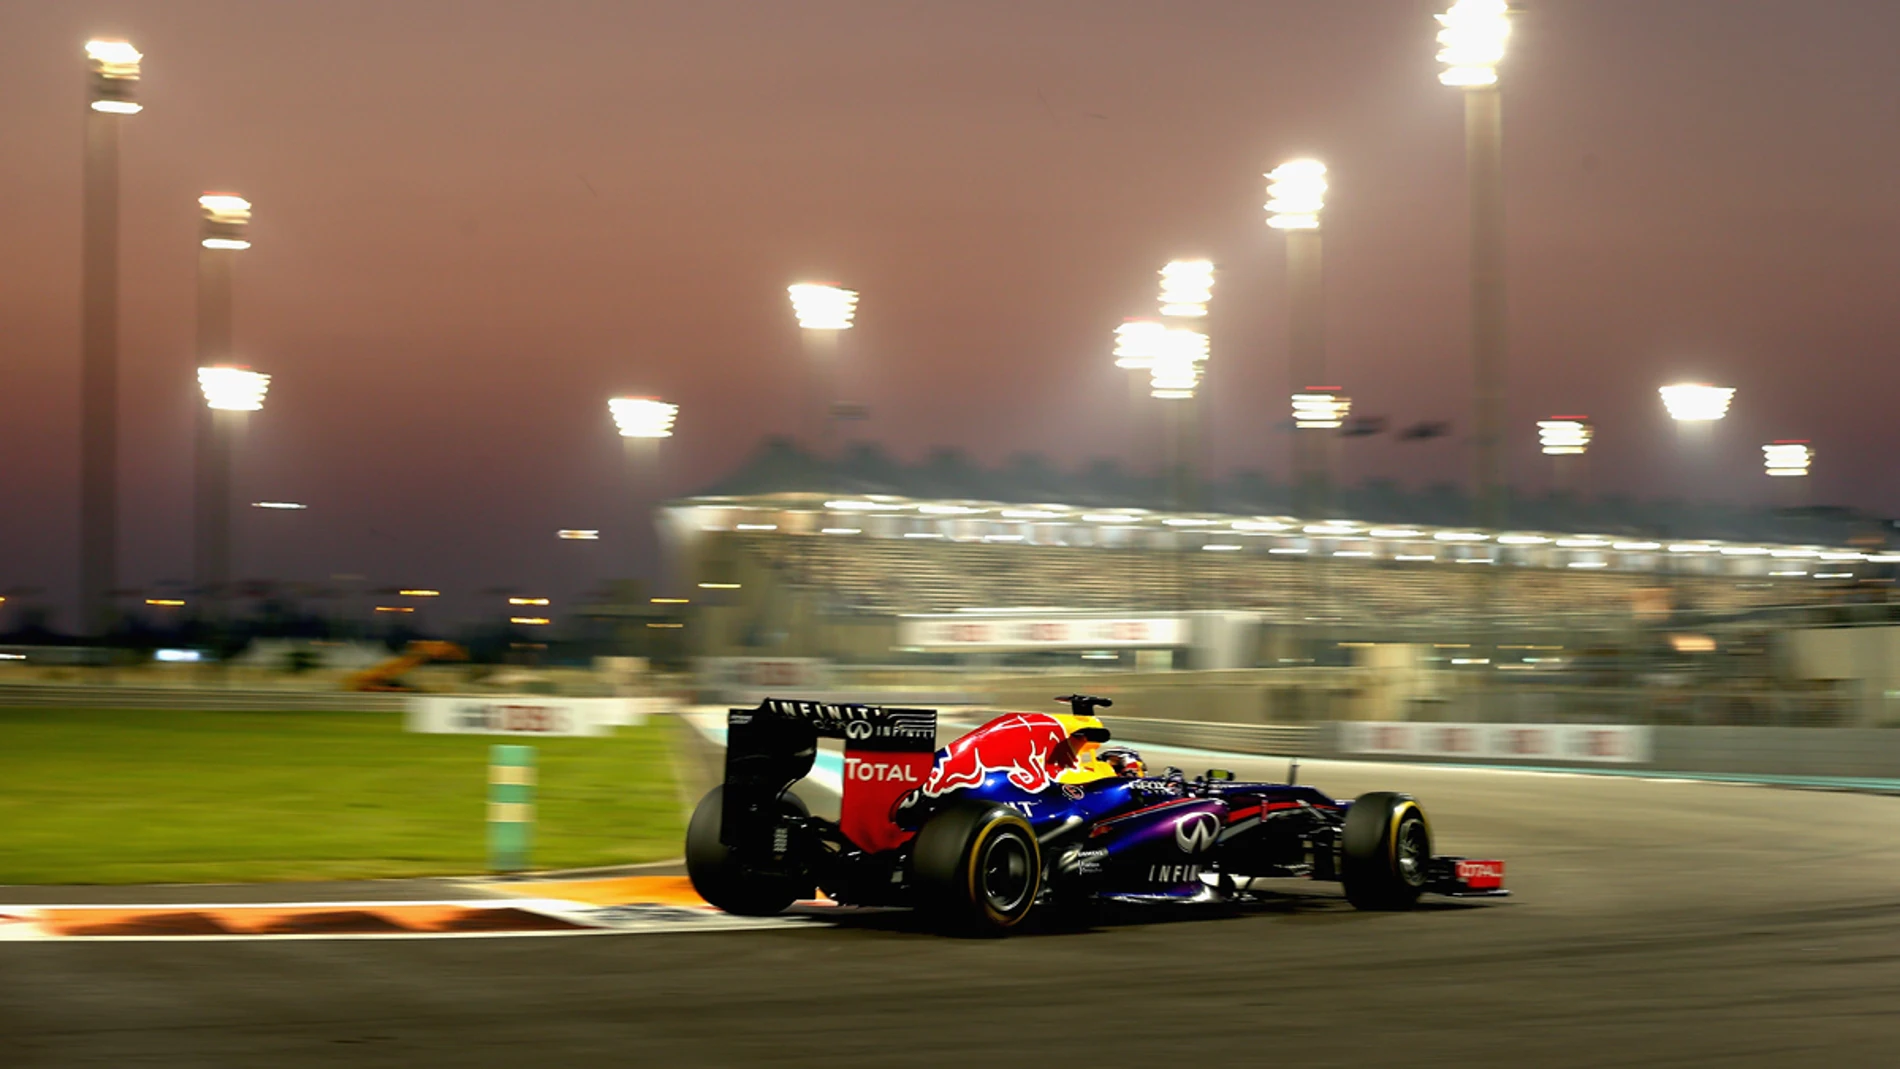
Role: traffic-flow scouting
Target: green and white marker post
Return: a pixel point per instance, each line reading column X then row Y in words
column 510, row 807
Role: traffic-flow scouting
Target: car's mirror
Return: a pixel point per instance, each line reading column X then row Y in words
column 1218, row 773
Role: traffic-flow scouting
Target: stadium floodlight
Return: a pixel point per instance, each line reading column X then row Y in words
column 233, row 389
column 115, row 73
column 1696, row 402
column 643, row 417
column 1788, row 458
column 227, row 217
column 1138, row 342
column 570, row 534
column 823, row 305
column 1176, row 372
column 1565, row 435
column 1296, row 193
column 286, row 506
column 1186, row 287
column 1472, row 36
column 1320, row 408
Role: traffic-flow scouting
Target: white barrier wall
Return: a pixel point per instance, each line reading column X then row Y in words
column 1591, row 743
column 522, row 715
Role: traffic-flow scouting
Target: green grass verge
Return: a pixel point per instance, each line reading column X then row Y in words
column 163, row 796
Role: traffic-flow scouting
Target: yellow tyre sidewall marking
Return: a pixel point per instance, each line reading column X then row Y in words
column 976, row 852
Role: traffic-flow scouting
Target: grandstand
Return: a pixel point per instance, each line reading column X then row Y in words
column 770, row 565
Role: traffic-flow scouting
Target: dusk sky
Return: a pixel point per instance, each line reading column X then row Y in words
column 476, row 220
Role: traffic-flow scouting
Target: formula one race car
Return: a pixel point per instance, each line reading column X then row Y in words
column 1031, row 810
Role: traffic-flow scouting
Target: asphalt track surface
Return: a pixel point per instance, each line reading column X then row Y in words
column 1660, row 923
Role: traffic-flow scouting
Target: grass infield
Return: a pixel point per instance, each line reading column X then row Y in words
column 163, row 796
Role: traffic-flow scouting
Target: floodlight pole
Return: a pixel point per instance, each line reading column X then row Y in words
column 1484, row 159
column 99, row 375
column 1306, row 320
column 211, row 566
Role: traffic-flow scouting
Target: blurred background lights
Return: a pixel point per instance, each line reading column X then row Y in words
column 1138, row 343
column 1296, row 193
column 225, row 217
column 1692, row 402
column 1186, row 287
column 643, row 417
column 115, row 67
column 1564, row 435
column 233, row 389
column 1472, row 37
column 1787, row 458
column 823, row 305
column 1320, row 409
column 1176, row 371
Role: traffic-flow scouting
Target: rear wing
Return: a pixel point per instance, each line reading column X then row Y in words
column 887, row 753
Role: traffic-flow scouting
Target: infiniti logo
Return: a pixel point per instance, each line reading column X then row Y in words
column 1196, row 832
column 857, row 729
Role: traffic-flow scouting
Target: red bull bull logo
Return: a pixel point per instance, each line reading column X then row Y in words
column 1017, row 743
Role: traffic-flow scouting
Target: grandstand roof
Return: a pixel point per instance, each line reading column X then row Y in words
column 779, row 467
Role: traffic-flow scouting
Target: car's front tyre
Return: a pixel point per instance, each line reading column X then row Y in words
column 1385, row 850
column 977, row 867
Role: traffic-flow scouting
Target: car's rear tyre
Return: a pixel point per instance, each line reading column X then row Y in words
column 721, row 878
column 1385, row 849
column 977, row 868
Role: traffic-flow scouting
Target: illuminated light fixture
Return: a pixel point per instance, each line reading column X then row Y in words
column 1138, row 343
column 1288, row 552
column 115, row 72
column 922, row 534
column 395, row 608
column 670, row 601
column 643, row 417
column 1744, row 551
column 1460, row 536
column 1843, row 556
column 1003, row 538
column 1222, row 547
column 288, row 506
column 666, row 626
column 1396, row 532
column 1588, row 564
column 1415, row 556
column 1176, row 371
column 860, row 506
column 419, row 593
column 168, row 603
column 1694, row 402
column 1637, row 546
column 1320, row 408
column 1582, row 543
column 226, row 217
column 1561, row 436
column 842, row 530
column 573, row 535
column 1030, row 514
column 1296, row 193
column 719, row 586
column 1472, row 36
column 1474, row 560
column 532, row 621
column 1793, row 554
column 527, row 601
column 1186, row 287
column 1108, row 517
column 823, row 305
column 1187, row 521
column 1352, row 553
column 758, row 527
column 1261, row 526
column 1884, row 558
column 1787, row 458
column 233, row 389
column 1522, row 540
column 1691, row 547
column 948, row 510
column 1786, row 574
column 1834, row 575
column 1329, row 529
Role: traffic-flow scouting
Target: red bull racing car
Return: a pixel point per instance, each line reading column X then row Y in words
column 1031, row 811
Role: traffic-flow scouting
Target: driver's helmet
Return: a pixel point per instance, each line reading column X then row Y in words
column 1125, row 761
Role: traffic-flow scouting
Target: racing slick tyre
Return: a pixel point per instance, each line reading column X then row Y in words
column 977, row 867
column 722, row 879
column 1384, row 851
